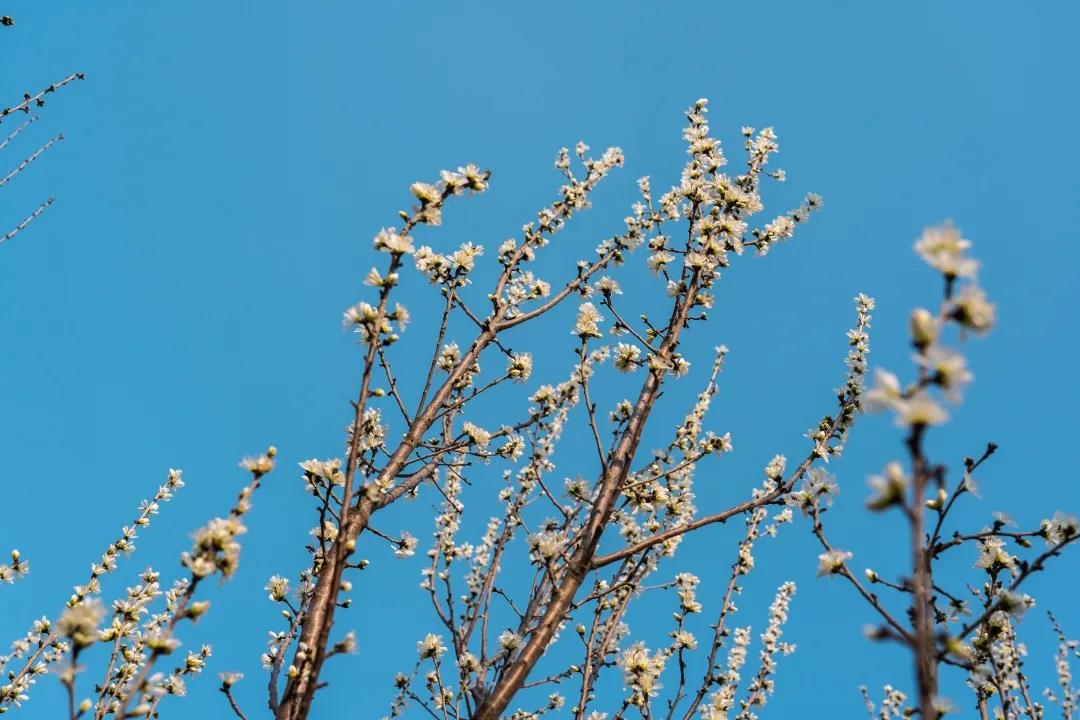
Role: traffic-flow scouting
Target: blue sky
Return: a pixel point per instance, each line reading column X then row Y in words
column 226, row 165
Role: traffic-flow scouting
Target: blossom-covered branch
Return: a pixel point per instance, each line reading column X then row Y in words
column 936, row 635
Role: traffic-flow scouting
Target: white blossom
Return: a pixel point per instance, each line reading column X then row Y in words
column 588, row 320
column 431, row 646
column 832, row 561
column 943, row 249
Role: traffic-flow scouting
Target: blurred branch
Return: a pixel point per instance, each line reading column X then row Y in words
column 29, row 219
column 13, row 135
column 39, row 99
column 34, row 156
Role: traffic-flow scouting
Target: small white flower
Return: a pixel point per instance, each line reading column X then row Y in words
column 406, row 547
column 510, row 641
column 1060, row 528
column 920, row 409
column 889, row 487
column 924, row 327
column 477, row 435
column 948, row 368
column 832, row 562
column 387, row 240
column 992, row 555
column 426, row 193
column 606, row 286
column 972, row 310
column 943, row 249
column 431, row 646
column 465, row 257
column 626, row 357
column 520, row 367
column 278, row 588
column 588, row 320
column 884, row 394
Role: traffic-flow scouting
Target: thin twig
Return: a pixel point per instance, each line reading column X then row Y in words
column 27, row 123
column 39, row 99
column 26, row 221
column 33, row 156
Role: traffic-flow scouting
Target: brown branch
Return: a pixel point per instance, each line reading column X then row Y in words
column 870, row 597
column 314, row 636
column 562, row 596
column 921, row 580
column 227, row 690
column 774, row 496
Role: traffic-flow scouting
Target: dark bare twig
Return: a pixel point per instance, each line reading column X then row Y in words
column 38, row 100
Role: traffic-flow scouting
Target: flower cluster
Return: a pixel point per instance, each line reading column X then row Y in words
column 17, row 569
column 939, row 366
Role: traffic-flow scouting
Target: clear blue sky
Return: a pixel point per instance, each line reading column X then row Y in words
column 227, row 163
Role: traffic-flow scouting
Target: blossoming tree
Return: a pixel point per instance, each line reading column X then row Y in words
column 598, row 541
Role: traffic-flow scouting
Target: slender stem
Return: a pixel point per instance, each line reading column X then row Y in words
column 31, row 158
column 14, row 134
column 232, row 702
column 38, row 99
column 27, row 220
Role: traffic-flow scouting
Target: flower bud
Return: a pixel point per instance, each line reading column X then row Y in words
column 197, row 609
column 924, row 328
